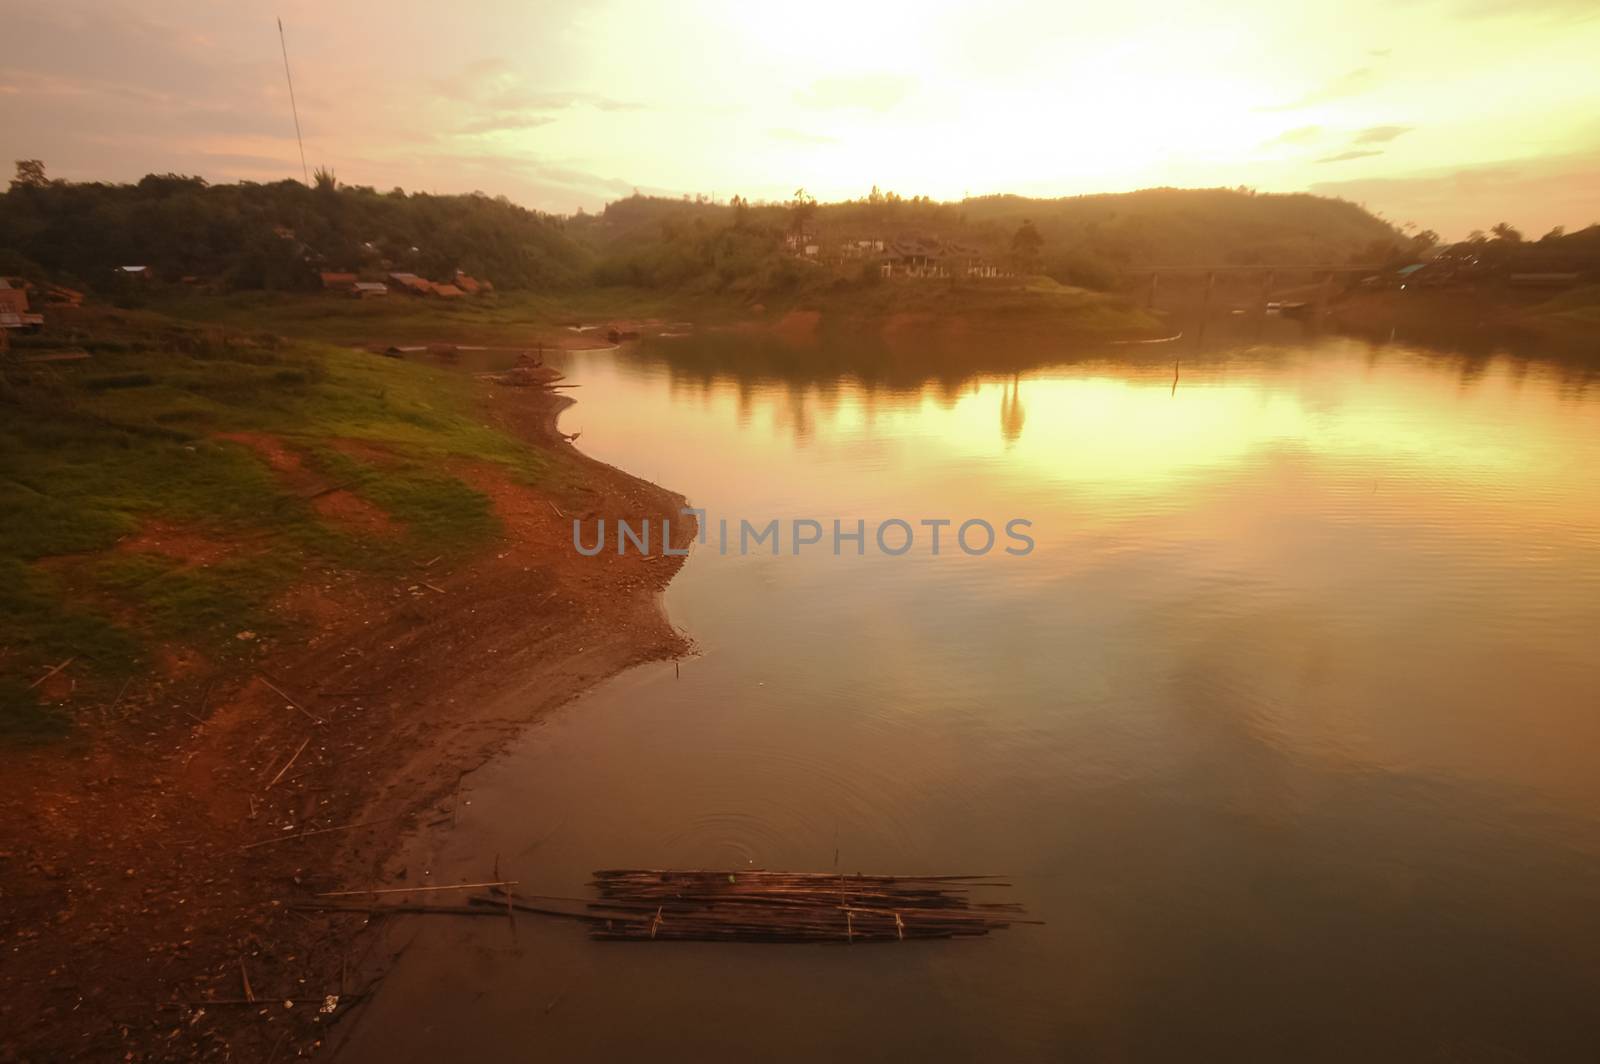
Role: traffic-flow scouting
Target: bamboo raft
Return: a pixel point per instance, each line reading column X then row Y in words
column 760, row 906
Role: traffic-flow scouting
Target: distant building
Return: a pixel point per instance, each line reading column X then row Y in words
column 410, row 282
column 137, row 273
column 860, row 249
column 337, row 282
column 62, row 295
column 922, row 257
column 448, row 291
column 369, row 289
column 13, row 298
column 14, row 307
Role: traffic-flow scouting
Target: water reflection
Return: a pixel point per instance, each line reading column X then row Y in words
column 1012, row 415
column 1285, row 727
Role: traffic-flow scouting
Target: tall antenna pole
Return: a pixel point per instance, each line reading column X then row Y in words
column 304, row 173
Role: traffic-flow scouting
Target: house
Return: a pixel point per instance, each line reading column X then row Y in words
column 860, row 249
column 13, row 298
column 923, row 257
column 413, row 284
column 963, row 261
column 136, row 273
column 448, row 291
column 369, row 289
column 14, row 307
column 337, row 282
column 61, row 295
column 913, row 257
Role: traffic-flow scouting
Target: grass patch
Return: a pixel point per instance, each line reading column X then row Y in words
column 205, row 607
column 91, row 452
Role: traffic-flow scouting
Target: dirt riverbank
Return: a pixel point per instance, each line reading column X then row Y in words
column 148, row 872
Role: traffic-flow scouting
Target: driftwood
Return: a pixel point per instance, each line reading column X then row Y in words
column 737, row 905
column 288, row 764
column 51, row 673
column 313, row 718
column 761, row 906
column 417, row 890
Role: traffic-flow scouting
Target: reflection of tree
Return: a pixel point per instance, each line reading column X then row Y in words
column 1012, row 414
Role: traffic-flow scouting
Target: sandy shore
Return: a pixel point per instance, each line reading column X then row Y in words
column 148, row 877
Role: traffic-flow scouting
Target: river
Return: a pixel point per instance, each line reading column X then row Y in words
column 1286, row 727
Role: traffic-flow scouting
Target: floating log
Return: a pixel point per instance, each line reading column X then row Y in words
column 741, row 905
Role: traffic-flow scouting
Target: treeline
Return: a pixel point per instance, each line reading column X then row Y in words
column 278, row 235
column 274, row 235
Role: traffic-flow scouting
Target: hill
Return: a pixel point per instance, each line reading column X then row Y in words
column 1082, row 240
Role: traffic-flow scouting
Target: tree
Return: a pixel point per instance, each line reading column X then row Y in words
column 1504, row 231
column 323, row 179
column 1555, row 234
column 30, row 174
column 1026, row 244
column 801, row 210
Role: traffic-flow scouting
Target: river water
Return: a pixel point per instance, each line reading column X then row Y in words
column 1287, row 726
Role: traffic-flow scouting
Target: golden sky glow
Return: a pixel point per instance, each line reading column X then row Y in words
column 1450, row 113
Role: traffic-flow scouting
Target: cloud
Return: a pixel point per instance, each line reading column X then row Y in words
column 491, row 96
column 1380, row 134
column 1532, row 194
column 870, row 92
column 1353, row 83
column 1298, row 135
column 1346, row 156
column 501, row 123
column 1548, row 10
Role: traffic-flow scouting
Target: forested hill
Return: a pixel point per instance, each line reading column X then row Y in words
column 279, row 235
column 1087, row 240
column 274, row 235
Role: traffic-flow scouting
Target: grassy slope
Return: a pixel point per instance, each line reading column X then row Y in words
column 91, row 451
column 505, row 317
column 516, row 318
column 1577, row 308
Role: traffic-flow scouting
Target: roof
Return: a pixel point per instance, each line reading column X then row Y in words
column 338, row 278
column 1407, row 271
column 370, row 286
column 449, row 291
column 412, row 281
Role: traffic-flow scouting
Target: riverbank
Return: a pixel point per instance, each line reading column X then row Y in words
column 258, row 704
column 903, row 310
column 1476, row 319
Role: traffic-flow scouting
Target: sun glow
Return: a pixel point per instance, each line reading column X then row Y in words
column 1427, row 112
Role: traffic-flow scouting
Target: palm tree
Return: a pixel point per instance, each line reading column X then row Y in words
column 1504, row 231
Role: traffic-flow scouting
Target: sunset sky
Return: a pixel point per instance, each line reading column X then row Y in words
column 1453, row 114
